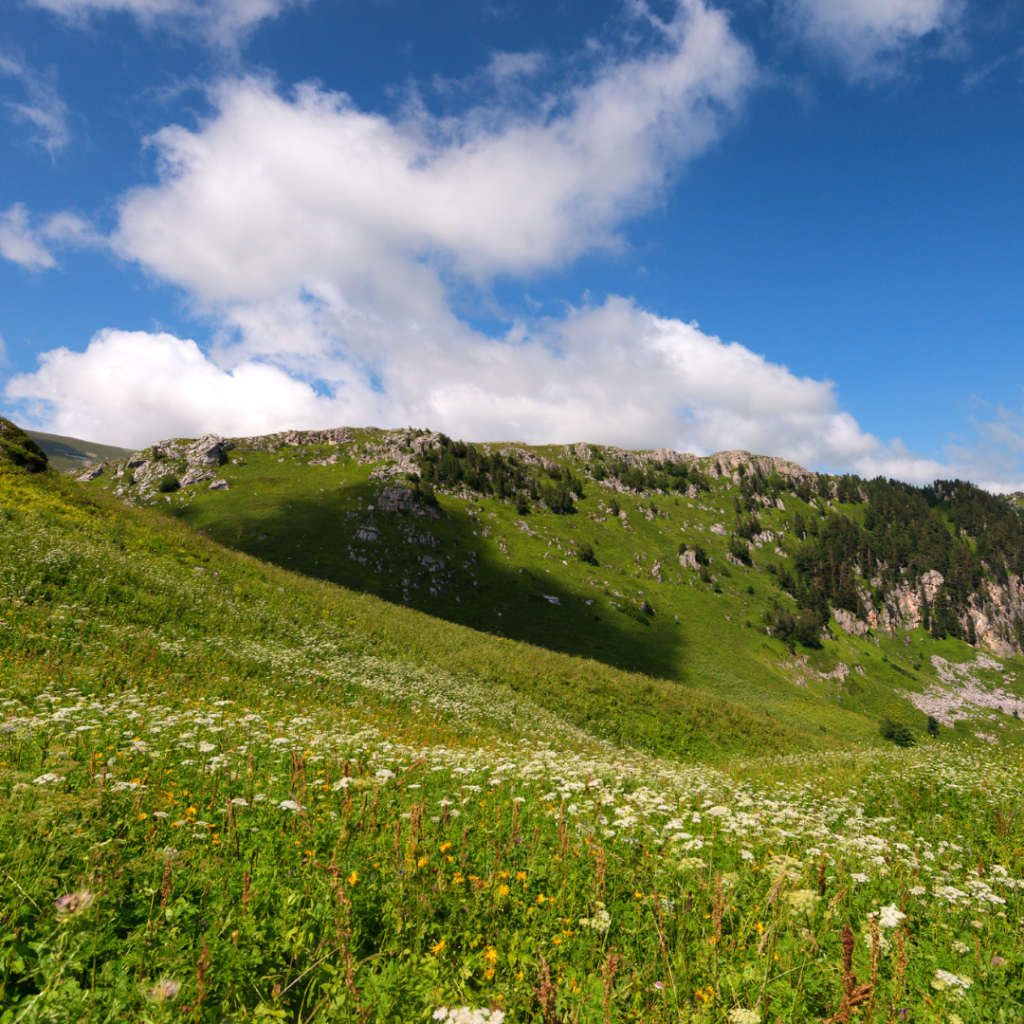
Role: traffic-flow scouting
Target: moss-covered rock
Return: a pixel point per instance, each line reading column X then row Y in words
column 18, row 449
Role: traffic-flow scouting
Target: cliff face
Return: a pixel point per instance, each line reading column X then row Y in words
column 995, row 613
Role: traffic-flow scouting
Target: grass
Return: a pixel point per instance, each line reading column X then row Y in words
column 493, row 570
column 232, row 792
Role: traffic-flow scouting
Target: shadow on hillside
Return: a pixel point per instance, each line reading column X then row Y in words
column 314, row 537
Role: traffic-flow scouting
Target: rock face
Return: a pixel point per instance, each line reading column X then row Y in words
column 995, row 614
column 688, row 560
column 90, row 474
column 728, row 464
column 849, row 622
column 401, row 499
column 209, row 450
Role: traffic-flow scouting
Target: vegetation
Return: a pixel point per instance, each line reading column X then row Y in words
column 18, row 449
column 230, row 790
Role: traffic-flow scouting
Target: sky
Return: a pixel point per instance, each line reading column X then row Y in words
column 793, row 227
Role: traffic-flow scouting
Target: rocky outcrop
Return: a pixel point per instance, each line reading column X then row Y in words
column 402, row 500
column 728, row 464
column 849, row 622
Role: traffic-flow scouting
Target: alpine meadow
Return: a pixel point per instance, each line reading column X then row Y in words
column 356, row 725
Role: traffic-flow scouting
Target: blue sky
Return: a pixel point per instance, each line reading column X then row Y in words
column 793, row 227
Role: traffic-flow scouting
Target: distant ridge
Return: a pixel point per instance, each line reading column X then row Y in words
column 68, row 453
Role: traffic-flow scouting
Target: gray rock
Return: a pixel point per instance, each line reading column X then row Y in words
column 209, row 450
column 91, row 473
column 219, row 485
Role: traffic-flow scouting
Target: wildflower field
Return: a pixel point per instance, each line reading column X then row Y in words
column 226, row 796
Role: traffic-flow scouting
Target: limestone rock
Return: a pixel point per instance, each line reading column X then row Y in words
column 688, row 560
column 849, row 622
column 219, row 485
column 90, row 474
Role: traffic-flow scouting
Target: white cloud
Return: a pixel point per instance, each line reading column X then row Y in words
column 133, row 388
column 870, row 36
column 221, row 22
column 609, row 374
column 30, row 246
column 274, row 193
column 20, row 242
column 43, row 107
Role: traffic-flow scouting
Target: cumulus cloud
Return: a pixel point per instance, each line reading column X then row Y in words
column 221, row 22
column 134, row 388
column 30, row 244
column 42, row 107
column 610, row 374
column 870, row 36
column 328, row 243
column 274, row 192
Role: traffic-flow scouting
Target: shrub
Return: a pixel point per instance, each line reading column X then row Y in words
column 739, row 550
column 896, row 732
column 168, row 483
column 933, row 726
column 585, row 553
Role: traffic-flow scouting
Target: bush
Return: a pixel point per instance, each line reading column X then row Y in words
column 585, row 553
column 168, row 484
column 897, row 732
column 739, row 550
column 933, row 726
column 803, row 627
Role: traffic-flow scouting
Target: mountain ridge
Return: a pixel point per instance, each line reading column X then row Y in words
column 745, row 575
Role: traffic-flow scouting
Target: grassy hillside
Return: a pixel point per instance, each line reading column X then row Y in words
column 66, row 453
column 232, row 792
column 479, row 561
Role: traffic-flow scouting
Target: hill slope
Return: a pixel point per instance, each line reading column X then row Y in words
column 828, row 603
column 68, row 453
column 232, row 792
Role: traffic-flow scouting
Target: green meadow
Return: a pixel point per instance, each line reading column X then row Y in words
column 253, row 769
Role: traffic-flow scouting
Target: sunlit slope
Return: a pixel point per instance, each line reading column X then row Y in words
column 313, row 503
column 67, row 453
column 99, row 595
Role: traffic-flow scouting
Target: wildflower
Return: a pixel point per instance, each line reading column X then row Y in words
column 890, row 916
column 503, row 890
column 740, row 1015
column 947, row 981
column 520, row 876
column 289, row 805
column 600, row 922
column 458, row 877
column 72, row 903
column 437, row 949
column 49, row 777
column 801, row 901
column 164, row 991
column 491, row 955
column 541, row 898
column 353, row 878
